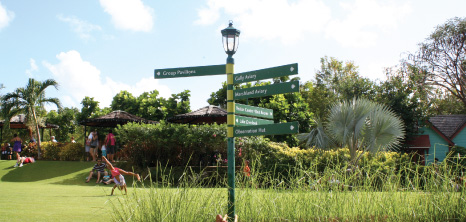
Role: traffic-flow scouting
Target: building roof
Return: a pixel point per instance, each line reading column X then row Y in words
column 19, row 122
column 449, row 125
column 208, row 114
column 419, row 142
column 115, row 118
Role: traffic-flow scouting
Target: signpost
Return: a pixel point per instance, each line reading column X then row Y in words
column 268, row 73
column 272, row 129
column 253, row 111
column 248, row 121
column 268, row 90
column 189, row 71
column 248, row 126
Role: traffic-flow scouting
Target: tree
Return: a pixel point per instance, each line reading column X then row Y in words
column 361, row 125
column 29, row 101
column 442, row 56
column 178, row 104
column 66, row 118
column 89, row 109
column 125, row 101
column 342, row 78
column 408, row 95
column 150, row 106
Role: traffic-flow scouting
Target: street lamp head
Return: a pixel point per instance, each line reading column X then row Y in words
column 230, row 39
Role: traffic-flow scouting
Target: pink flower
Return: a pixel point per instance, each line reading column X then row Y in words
column 215, row 135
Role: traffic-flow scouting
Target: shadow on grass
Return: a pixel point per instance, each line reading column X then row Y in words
column 44, row 170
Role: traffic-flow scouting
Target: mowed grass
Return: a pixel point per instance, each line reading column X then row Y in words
column 54, row 191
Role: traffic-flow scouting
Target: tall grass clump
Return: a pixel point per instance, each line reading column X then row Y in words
column 404, row 191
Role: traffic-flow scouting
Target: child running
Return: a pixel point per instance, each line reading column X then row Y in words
column 118, row 177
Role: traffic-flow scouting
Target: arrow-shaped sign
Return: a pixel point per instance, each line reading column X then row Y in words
column 249, row 121
column 279, row 71
column 271, row 129
column 189, row 71
column 267, row 90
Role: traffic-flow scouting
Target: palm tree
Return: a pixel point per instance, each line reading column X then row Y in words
column 360, row 125
column 29, row 101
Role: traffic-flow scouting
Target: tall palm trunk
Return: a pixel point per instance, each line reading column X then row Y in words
column 37, row 133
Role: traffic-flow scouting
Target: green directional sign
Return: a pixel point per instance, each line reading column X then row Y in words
column 189, row 71
column 271, row 129
column 268, row 90
column 249, row 121
column 268, row 73
column 255, row 111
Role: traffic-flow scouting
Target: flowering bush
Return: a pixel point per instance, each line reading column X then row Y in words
column 30, row 150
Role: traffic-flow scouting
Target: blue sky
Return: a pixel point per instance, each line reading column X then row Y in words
column 98, row 48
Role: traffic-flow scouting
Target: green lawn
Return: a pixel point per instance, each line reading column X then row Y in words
column 53, row 191
column 56, row 191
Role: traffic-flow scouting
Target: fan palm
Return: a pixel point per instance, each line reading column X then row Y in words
column 29, row 101
column 361, row 125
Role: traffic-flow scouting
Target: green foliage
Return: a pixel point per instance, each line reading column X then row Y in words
column 286, row 161
column 287, row 107
column 171, row 144
column 407, row 94
column 51, row 150
column 90, row 106
column 56, row 151
column 456, row 160
column 125, row 101
column 30, row 101
column 343, row 79
column 150, row 106
column 443, row 57
column 66, row 119
column 359, row 125
column 71, row 152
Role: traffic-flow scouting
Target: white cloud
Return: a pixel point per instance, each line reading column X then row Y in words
column 271, row 19
column 5, row 16
column 129, row 14
column 364, row 20
column 289, row 21
column 79, row 78
column 33, row 68
column 80, row 27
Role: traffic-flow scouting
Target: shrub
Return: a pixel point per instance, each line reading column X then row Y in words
column 146, row 145
column 30, row 150
column 50, row 150
column 71, row 152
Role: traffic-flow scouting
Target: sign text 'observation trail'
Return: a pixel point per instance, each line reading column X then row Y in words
column 271, row 129
column 189, row 71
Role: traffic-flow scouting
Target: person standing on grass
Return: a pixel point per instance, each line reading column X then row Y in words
column 98, row 168
column 118, row 178
column 110, row 142
column 17, row 142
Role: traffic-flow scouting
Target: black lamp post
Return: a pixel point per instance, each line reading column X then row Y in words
column 230, row 40
column 230, row 44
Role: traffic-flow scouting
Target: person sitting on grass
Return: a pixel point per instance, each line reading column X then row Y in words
column 98, row 168
column 106, row 179
column 25, row 160
column 118, row 178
